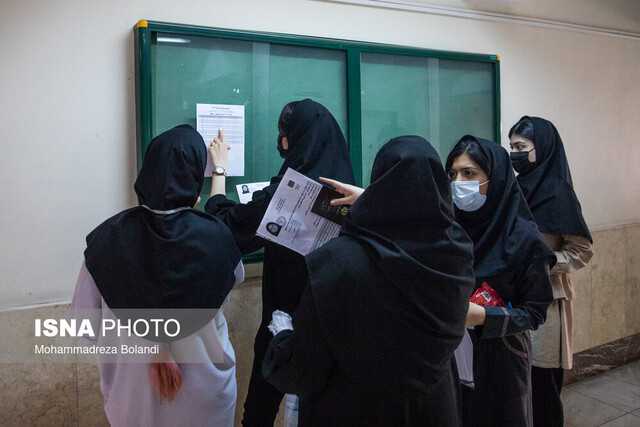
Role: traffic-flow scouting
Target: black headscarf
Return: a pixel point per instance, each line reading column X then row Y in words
column 176, row 257
column 392, row 289
column 316, row 145
column 548, row 187
column 504, row 233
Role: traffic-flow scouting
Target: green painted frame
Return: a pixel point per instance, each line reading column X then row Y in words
column 144, row 120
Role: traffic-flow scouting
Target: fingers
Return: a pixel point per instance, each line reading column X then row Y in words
column 341, row 201
column 218, row 149
column 333, row 182
column 220, row 139
column 217, row 143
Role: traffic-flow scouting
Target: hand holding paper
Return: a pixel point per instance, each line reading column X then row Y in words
column 300, row 215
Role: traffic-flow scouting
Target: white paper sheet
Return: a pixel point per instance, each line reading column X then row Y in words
column 464, row 360
column 229, row 118
column 245, row 191
column 289, row 221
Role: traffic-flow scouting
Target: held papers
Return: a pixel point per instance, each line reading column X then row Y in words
column 245, row 191
column 290, row 219
column 229, row 118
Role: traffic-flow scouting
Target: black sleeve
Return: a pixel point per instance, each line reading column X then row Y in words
column 242, row 219
column 299, row 361
column 535, row 295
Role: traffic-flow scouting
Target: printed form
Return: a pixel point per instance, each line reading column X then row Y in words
column 229, row 118
column 300, row 216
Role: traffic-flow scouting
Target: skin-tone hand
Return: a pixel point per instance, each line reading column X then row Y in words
column 218, row 153
column 475, row 315
column 218, row 150
column 351, row 192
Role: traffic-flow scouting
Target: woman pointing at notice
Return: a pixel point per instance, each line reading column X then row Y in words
column 310, row 141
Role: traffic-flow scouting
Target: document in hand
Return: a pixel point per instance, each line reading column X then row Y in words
column 245, row 191
column 300, row 216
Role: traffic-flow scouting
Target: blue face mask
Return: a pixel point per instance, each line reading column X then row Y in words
column 466, row 195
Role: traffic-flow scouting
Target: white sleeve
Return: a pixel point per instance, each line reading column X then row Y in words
column 86, row 295
column 86, row 303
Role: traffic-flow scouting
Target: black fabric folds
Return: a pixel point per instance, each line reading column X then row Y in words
column 504, row 233
column 548, row 187
column 316, row 145
column 145, row 260
column 391, row 291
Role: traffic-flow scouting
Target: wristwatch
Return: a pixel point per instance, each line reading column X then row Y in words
column 219, row 170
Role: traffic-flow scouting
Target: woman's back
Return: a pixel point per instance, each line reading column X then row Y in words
column 163, row 260
column 373, row 338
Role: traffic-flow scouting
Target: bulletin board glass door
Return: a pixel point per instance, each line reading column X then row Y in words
column 262, row 77
column 375, row 91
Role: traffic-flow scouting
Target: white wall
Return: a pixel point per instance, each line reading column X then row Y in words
column 620, row 16
column 67, row 122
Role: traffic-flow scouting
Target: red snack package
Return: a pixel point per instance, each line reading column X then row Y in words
column 486, row 295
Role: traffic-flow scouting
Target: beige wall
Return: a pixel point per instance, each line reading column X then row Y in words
column 615, row 16
column 608, row 289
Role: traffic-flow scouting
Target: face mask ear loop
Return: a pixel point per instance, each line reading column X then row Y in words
column 480, row 185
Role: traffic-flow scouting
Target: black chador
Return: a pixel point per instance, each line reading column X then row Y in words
column 512, row 257
column 163, row 254
column 316, row 148
column 376, row 329
column 548, row 187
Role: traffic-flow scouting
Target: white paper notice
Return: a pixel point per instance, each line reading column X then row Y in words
column 229, row 118
column 289, row 221
column 245, row 191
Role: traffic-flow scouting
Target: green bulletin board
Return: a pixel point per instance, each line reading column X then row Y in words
column 374, row 91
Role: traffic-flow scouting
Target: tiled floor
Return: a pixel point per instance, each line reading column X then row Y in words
column 611, row 399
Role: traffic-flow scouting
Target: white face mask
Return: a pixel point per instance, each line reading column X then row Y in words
column 466, row 195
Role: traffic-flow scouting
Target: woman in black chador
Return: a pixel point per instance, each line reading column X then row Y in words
column 372, row 341
column 538, row 156
column 512, row 257
column 311, row 142
column 179, row 262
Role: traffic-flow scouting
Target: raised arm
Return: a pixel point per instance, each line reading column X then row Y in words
column 242, row 219
column 218, row 153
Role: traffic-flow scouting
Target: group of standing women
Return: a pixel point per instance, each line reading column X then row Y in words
column 376, row 312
